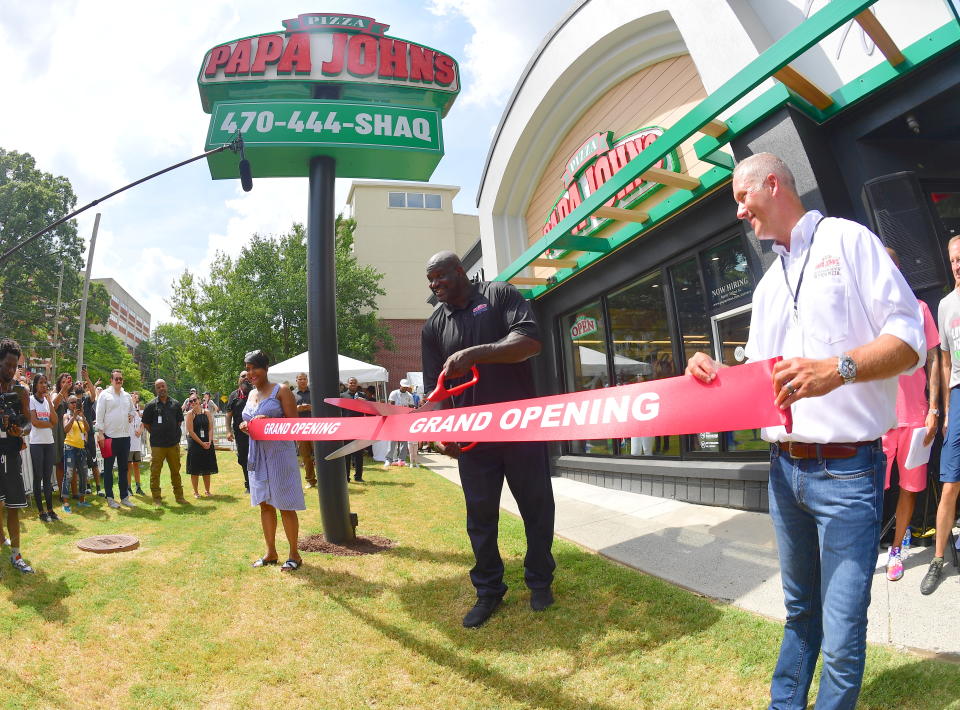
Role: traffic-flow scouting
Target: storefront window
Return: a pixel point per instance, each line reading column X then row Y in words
column 585, row 345
column 695, row 331
column 649, row 328
column 642, row 350
column 727, row 274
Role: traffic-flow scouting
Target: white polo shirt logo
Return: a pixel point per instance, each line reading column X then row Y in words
column 828, row 266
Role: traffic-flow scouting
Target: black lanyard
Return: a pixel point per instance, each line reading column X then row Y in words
column 783, row 264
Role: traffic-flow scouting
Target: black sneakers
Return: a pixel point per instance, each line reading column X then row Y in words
column 540, row 599
column 931, row 580
column 481, row 611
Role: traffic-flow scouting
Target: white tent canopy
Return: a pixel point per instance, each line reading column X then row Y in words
column 288, row 370
column 594, row 363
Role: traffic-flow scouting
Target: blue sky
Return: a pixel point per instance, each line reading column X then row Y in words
column 104, row 92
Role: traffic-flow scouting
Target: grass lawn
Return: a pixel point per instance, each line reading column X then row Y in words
column 184, row 621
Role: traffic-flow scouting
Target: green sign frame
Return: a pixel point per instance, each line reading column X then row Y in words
column 367, row 140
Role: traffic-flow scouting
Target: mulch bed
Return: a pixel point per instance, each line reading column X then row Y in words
column 363, row 545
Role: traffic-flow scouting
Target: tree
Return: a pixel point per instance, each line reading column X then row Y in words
column 29, row 200
column 258, row 301
column 162, row 356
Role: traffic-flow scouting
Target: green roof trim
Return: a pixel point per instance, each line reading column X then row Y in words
column 785, row 50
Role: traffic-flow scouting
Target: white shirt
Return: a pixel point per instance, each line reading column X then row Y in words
column 41, row 435
column 135, row 443
column 850, row 295
column 401, row 398
column 113, row 413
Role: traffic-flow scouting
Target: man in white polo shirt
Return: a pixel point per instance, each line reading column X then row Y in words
column 114, row 414
column 402, row 397
column 846, row 323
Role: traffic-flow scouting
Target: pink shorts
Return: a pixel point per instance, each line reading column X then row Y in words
column 896, row 445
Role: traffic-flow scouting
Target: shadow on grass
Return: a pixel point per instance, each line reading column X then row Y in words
column 38, row 592
column 922, row 685
column 600, row 608
column 31, row 694
column 437, row 556
column 404, row 484
column 62, row 526
column 188, row 509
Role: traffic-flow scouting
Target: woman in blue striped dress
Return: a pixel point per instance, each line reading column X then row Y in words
column 272, row 465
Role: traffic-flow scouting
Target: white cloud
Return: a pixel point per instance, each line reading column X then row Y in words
column 506, row 34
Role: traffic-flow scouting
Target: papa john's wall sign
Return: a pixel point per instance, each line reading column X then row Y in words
column 328, row 84
column 598, row 159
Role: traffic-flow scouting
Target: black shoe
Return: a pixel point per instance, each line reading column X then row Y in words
column 52, row 517
column 481, row 611
column 540, row 599
column 358, row 479
column 931, row 580
column 44, row 518
column 139, row 491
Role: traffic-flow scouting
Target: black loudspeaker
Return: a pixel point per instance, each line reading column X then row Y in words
column 899, row 215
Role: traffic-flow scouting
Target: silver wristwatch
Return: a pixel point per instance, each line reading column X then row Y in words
column 847, row 369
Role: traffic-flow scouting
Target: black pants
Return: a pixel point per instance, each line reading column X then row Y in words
column 121, row 454
column 42, row 456
column 526, row 468
column 356, row 459
column 243, row 448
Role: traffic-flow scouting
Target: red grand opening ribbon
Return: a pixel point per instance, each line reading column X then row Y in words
column 740, row 397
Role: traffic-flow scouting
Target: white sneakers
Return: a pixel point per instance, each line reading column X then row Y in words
column 112, row 503
column 127, row 502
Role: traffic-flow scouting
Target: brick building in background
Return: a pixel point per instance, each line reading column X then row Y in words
column 128, row 320
column 399, row 226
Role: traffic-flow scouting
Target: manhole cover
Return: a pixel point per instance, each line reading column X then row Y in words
column 109, row 543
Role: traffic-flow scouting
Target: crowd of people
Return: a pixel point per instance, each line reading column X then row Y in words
column 78, row 439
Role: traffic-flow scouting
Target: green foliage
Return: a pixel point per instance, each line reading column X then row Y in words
column 102, row 352
column 258, row 301
column 163, row 357
column 30, row 199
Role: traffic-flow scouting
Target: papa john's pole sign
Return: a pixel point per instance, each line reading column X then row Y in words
column 328, row 84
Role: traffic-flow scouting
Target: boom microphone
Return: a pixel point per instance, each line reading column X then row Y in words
column 246, row 179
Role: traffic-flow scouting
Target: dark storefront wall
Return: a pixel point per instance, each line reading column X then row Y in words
column 831, row 162
column 647, row 309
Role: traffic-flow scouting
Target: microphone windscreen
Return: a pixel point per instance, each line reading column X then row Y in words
column 246, row 179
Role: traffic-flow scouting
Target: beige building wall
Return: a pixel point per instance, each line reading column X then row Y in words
column 397, row 241
column 658, row 95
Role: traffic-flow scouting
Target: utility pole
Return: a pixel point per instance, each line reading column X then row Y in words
column 86, row 292
column 56, row 325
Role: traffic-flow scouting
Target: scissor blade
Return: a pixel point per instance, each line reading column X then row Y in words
column 355, row 445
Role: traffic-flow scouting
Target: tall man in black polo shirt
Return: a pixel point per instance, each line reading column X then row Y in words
column 235, row 405
column 490, row 325
column 162, row 417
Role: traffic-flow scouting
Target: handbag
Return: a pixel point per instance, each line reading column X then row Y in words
column 106, row 447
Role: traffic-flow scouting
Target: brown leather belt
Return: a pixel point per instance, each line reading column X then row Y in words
column 799, row 450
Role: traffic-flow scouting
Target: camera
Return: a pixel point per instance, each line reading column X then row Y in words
column 11, row 411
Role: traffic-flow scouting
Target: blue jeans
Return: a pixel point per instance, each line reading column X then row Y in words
column 826, row 514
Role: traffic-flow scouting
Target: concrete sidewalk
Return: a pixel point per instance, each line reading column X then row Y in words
column 730, row 555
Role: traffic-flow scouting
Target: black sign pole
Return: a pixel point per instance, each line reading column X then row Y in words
column 335, row 515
